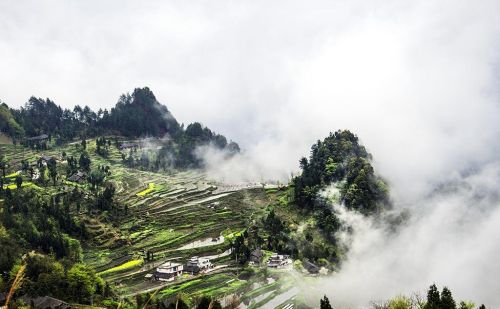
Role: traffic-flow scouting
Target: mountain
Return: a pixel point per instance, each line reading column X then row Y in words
column 140, row 114
column 135, row 116
column 9, row 125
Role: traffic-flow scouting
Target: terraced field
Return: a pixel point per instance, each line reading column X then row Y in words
column 169, row 217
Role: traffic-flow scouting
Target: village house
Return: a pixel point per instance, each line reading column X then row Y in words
column 128, row 146
column 312, row 268
column 44, row 160
column 168, row 271
column 45, row 302
column 256, row 257
column 279, row 261
column 197, row 264
column 77, row 177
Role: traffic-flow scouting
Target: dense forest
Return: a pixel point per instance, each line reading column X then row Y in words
column 136, row 115
column 339, row 162
column 340, row 159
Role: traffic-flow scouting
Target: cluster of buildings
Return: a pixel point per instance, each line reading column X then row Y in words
column 170, row 270
column 275, row 261
column 279, row 261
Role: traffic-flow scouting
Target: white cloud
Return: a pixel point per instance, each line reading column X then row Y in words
column 451, row 239
column 416, row 80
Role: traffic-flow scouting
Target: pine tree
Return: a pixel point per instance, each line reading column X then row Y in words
column 447, row 301
column 433, row 299
column 325, row 303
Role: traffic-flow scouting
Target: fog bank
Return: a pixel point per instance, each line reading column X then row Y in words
column 451, row 238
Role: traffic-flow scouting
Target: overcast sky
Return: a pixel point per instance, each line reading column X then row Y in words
column 418, row 81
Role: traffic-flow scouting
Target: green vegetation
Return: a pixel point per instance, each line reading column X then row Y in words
column 136, row 115
column 151, row 188
column 340, row 158
column 125, row 266
column 74, row 210
column 8, row 124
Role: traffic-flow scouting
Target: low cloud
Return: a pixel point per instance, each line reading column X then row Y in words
column 236, row 168
column 416, row 80
column 450, row 238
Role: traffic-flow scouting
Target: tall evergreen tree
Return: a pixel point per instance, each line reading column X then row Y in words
column 433, row 298
column 325, row 303
column 447, row 301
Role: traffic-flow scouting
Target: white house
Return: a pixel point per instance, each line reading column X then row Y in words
column 279, row 261
column 168, row 271
column 197, row 264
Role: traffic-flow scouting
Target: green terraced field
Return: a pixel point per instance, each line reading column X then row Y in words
column 168, row 216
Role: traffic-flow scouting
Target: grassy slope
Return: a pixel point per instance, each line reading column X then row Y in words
column 173, row 214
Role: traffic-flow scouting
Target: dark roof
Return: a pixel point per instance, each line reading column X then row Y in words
column 38, row 138
column 310, row 267
column 256, row 255
column 46, row 302
column 77, row 177
column 128, row 145
column 46, row 158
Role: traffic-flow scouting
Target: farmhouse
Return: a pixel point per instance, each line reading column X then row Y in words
column 197, row 264
column 77, row 177
column 46, row 159
column 310, row 267
column 168, row 271
column 256, row 257
column 279, row 261
column 128, row 146
column 45, row 302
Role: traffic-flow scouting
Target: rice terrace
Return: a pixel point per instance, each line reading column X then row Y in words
column 249, row 154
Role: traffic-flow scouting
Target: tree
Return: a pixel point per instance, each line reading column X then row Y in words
column 84, row 162
column 81, row 282
column 466, row 305
column 19, row 181
column 105, row 200
column 179, row 303
column 10, row 251
column 447, row 301
column 41, row 171
column 325, row 303
column 52, row 166
column 400, row 302
column 3, row 165
column 96, row 178
column 433, row 298
column 8, row 124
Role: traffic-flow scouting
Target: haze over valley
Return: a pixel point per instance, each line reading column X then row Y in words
column 329, row 154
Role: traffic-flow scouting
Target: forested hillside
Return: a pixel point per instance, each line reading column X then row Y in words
column 340, row 159
column 8, row 124
column 92, row 203
column 88, row 221
column 136, row 115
